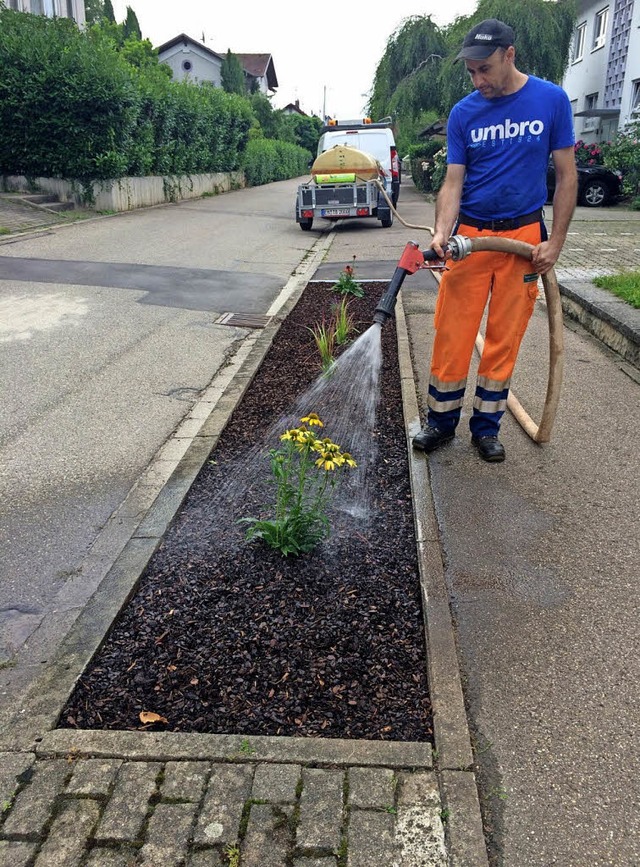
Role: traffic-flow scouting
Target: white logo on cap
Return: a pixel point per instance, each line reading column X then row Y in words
column 486, row 36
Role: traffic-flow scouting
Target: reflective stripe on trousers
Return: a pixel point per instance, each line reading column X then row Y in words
column 511, row 285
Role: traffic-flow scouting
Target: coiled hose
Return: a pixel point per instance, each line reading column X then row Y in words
column 539, row 433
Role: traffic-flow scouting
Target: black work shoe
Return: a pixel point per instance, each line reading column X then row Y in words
column 431, row 437
column 489, row 448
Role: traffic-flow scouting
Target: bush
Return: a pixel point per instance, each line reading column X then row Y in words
column 623, row 154
column 422, row 163
column 587, row 154
column 440, row 168
column 68, row 106
column 267, row 160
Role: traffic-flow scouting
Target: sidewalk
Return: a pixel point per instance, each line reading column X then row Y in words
column 16, row 216
column 101, row 799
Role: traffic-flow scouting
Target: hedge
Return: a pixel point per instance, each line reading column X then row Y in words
column 71, row 106
column 267, row 160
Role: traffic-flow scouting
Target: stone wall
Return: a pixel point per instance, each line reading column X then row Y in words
column 125, row 194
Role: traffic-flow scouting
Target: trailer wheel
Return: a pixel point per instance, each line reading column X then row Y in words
column 305, row 225
column 387, row 222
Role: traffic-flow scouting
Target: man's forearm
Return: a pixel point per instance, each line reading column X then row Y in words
column 564, row 204
column 447, row 206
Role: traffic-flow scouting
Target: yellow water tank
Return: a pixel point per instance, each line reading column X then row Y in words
column 342, row 159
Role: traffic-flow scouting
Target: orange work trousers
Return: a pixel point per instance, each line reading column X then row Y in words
column 510, row 284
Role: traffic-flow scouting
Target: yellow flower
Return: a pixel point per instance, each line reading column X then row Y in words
column 349, row 461
column 312, row 419
column 326, row 463
column 290, row 434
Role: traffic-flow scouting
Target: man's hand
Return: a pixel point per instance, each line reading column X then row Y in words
column 438, row 243
column 545, row 256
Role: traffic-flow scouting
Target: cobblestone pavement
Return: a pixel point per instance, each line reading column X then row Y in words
column 596, row 247
column 110, row 812
column 16, row 216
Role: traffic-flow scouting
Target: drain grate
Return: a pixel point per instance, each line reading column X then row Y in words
column 244, row 320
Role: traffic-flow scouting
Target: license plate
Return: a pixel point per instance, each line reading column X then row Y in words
column 335, row 212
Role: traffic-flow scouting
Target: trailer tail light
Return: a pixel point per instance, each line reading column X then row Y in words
column 395, row 165
column 363, row 212
column 307, row 213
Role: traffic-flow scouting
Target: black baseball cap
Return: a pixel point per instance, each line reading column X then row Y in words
column 483, row 39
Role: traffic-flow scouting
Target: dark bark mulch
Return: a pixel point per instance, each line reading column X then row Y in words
column 225, row 636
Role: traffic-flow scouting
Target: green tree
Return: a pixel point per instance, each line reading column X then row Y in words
column 131, row 26
column 542, row 39
column 141, row 54
column 109, row 14
column 417, row 79
column 406, row 80
column 232, row 75
column 94, row 11
column 269, row 121
column 306, row 131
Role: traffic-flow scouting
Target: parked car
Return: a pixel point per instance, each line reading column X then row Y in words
column 597, row 185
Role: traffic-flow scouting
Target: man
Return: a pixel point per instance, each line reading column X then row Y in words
column 499, row 139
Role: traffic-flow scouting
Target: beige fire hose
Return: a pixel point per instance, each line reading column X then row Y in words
column 539, row 433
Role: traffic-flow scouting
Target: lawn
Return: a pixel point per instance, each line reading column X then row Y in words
column 625, row 286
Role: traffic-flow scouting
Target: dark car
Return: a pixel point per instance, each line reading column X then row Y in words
column 597, row 185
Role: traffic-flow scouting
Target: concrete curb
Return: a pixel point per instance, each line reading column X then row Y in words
column 608, row 318
column 173, row 746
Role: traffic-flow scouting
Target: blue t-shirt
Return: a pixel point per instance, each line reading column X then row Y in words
column 504, row 144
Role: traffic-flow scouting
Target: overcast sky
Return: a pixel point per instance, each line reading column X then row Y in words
column 333, row 45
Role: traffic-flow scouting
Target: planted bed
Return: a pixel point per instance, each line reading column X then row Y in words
column 228, row 636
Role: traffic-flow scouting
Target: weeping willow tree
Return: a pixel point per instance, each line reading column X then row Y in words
column 542, row 30
column 406, row 81
column 417, row 80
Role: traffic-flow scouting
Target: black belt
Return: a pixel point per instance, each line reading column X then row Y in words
column 502, row 225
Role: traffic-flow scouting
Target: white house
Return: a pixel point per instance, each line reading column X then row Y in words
column 192, row 60
column 260, row 72
column 294, row 108
column 51, row 8
column 603, row 77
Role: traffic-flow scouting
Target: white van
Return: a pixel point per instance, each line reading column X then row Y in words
column 372, row 138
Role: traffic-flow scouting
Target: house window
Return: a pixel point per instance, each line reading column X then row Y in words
column 70, row 9
column 590, row 124
column 579, row 39
column 600, row 28
column 14, row 4
column 635, row 98
column 186, row 65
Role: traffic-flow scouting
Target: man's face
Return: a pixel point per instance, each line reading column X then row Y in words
column 492, row 75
